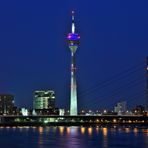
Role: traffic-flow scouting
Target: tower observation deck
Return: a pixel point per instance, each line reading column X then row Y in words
column 73, row 43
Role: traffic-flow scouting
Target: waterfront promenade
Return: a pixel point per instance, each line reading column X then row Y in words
column 72, row 120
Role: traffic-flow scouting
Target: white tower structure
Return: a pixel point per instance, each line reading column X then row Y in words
column 73, row 43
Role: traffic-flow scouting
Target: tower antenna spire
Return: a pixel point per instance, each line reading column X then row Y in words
column 73, row 23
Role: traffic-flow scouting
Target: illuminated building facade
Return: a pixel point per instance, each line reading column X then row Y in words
column 120, row 108
column 6, row 104
column 73, row 43
column 44, row 99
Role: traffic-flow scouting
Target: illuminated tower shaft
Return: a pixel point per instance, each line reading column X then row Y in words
column 73, row 93
column 73, row 42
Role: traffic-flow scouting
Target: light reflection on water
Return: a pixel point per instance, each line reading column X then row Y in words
column 105, row 138
column 74, row 137
column 40, row 130
column 97, row 130
column 135, row 130
column 61, row 130
column 68, row 130
column 82, row 130
column 90, row 130
column 127, row 130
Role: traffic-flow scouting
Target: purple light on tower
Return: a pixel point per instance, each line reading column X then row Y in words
column 73, row 43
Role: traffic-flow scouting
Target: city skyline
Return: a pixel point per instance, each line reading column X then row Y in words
column 35, row 54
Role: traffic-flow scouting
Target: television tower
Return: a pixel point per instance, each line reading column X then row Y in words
column 73, row 43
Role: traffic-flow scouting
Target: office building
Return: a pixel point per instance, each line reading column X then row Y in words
column 44, row 99
column 6, row 104
column 120, row 108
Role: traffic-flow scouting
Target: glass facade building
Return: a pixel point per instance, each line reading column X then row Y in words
column 44, row 99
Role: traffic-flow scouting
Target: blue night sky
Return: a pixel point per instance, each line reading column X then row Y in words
column 110, row 60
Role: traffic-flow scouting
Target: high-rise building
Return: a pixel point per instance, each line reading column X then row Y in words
column 73, row 43
column 120, row 108
column 6, row 104
column 44, row 99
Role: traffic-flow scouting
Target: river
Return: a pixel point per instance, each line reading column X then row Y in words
column 73, row 137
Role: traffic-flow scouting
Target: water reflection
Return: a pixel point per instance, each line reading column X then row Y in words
column 40, row 140
column 127, row 130
column 135, row 130
column 74, row 131
column 14, row 128
column 90, row 130
column 77, row 137
column 105, row 130
column 47, row 129
column 33, row 128
column 54, row 129
column 72, row 139
column 7, row 127
column 40, row 130
column 68, row 130
column 82, row 129
column 20, row 129
column 61, row 130
column 113, row 130
column 146, row 132
column 97, row 130
column 105, row 138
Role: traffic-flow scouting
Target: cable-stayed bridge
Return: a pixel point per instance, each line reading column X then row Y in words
column 128, row 85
